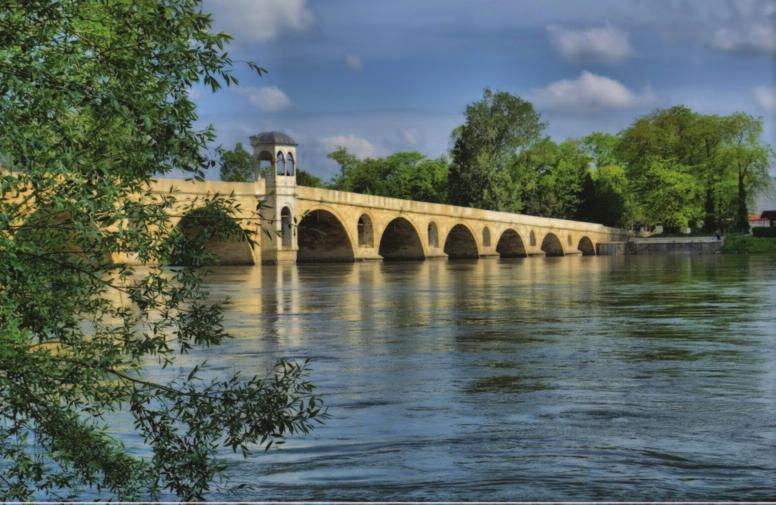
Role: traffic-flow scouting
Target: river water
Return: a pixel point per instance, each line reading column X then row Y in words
column 574, row 378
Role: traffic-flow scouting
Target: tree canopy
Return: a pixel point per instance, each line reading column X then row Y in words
column 497, row 127
column 408, row 175
column 238, row 165
column 95, row 101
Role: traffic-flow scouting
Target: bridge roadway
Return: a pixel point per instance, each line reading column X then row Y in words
column 314, row 224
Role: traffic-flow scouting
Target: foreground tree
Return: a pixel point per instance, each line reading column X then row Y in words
column 497, row 128
column 93, row 103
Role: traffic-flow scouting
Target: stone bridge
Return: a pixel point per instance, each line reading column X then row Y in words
column 313, row 224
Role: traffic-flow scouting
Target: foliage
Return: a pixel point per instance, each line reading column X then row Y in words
column 238, row 165
column 408, row 175
column 94, row 103
column 747, row 244
column 187, row 244
column 723, row 155
column 485, row 147
column 606, row 198
column 549, row 178
column 762, row 231
column 304, row 178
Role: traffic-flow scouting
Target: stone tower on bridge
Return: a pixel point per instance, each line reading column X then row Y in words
column 278, row 207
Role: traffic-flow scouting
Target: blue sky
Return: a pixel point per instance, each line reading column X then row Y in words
column 384, row 76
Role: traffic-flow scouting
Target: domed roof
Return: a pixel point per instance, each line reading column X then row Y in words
column 273, row 138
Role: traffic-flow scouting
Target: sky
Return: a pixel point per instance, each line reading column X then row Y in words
column 379, row 76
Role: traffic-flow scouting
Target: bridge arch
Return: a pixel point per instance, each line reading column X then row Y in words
column 460, row 243
column 211, row 230
column 365, row 231
column 586, row 246
column 551, row 245
column 321, row 236
column 510, row 245
column 401, row 241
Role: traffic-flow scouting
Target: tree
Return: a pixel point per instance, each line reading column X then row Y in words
column 722, row 155
column 550, row 178
column 485, row 147
column 304, row 178
column 749, row 158
column 94, row 103
column 407, row 175
column 238, row 165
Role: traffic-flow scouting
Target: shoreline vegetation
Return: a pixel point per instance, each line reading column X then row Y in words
column 748, row 244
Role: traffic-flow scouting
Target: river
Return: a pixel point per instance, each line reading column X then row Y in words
column 574, row 378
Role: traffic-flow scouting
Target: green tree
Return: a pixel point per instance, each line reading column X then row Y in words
column 606, row 197
column 550, row 178
column 94, row 104
column 485, row 147
column 238, row 165
column 407, row 175
column 749, row 160
column 304, row 178
column 723, row 155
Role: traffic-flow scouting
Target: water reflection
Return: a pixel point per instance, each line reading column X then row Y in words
column 531, row 378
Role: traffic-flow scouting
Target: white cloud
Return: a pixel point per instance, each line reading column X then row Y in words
column 409, row 137
column 757, row 38
column 267, row 98
column 593, row 44
column 765, row 96
column 749, row 28
column 360, row 147
column 260, row 20
column 354, row 62
column 588, row 93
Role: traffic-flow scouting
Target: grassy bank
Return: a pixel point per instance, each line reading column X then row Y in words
column 747, row 244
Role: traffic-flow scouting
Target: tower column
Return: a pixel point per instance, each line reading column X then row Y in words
column 279, row 204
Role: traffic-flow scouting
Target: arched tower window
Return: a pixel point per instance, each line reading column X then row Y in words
column 365, row 235
column 281, row 164
column 265, row 163
column 286, row 227
column 532, row 238
column 291, row 168
column 485, row 237
column 433, row 235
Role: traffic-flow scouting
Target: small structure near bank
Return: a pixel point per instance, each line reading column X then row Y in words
column 768, row 218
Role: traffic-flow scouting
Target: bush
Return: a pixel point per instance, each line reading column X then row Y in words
column 764, row 232
column 747, row 244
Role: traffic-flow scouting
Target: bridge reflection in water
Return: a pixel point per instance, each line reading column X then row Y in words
column 515, row 377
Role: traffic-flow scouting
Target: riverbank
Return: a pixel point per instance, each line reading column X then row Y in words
column 673, row 245
column 747, row 244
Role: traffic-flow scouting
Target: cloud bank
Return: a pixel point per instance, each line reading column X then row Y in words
column 588, row 93
column 605, row 43
column 358, row 146
column 267, row 98
column 260, row 20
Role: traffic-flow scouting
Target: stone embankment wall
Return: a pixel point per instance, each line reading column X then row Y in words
column 678, row 245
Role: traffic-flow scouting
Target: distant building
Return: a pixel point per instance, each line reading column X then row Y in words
column 769, row 217
column 755, row 221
